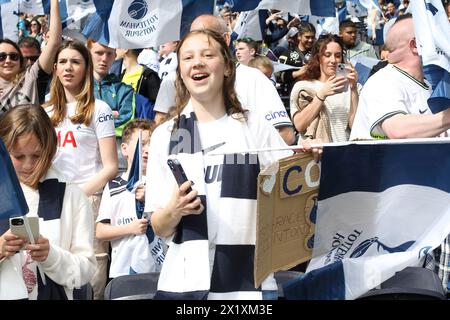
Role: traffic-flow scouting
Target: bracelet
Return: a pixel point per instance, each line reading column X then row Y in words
column 319, row 98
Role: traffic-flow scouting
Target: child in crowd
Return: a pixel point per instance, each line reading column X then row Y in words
column 64, row 250
column 264, row 64
column 84, row 125
column 118, row 222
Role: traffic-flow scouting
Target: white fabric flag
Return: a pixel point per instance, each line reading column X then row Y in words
column 382, row 207
column 432, row 30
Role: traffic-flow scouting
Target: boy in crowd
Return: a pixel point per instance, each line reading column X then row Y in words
column 134, row 250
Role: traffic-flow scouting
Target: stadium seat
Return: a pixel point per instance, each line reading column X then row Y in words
column 132, row 287
column 412, row 283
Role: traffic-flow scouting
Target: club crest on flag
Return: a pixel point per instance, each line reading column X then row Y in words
column 139, row 20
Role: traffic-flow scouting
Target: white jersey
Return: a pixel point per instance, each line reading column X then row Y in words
column 255, row 92
column 118, row 208
column 78, row 154
column 388, row 92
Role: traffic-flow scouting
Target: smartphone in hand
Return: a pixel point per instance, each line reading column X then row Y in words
column 17, row 227
column 178, row 172
column 341, row 71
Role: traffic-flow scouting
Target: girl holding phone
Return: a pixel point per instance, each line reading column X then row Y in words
column 212, row 226
column 324, row 101
column 64, row 249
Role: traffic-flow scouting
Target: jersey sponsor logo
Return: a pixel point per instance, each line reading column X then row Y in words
column 105, row 117
column 277, row 114
column 69, row 138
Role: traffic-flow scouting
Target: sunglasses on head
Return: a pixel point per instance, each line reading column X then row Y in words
column 13, row 56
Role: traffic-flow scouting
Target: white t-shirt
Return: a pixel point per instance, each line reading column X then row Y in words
column 255, row 92
column 388, row 92
column 337, row 107
column 78, row 154
column 119, row 209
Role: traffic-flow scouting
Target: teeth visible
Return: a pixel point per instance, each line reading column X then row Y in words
column 199, row 76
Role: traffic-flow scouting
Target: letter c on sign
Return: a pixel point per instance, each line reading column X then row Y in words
column 285, row 180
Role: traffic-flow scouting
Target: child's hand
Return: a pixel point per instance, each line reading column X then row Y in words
column 10, row 244
column 39, row 251
column 140, row 193
column 138, row 226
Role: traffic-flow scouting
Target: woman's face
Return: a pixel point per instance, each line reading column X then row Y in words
column 35, row 27
column 202, row 67
column 71, row 70
column 25, row 155
column 330, row 58
column 10, row 66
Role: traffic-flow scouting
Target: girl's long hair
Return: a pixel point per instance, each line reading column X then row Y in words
column 85, row 98
column 318, row 50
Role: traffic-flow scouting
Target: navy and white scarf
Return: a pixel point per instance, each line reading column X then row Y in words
column 51, row 196
column 186, row 270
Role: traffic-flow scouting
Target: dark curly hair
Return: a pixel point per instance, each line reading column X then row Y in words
column 318, row 50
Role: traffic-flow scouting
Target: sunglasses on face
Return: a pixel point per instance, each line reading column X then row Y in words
column 13, row 56
column 32, row 58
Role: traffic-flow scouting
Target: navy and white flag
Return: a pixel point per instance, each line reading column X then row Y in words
column 431, row 25
column 382, row 207
column 143, row 23
column 325, row 24
column 322, row 8
column 248, row 25
column 355, row 9
column 12, row 200
column 8, row 20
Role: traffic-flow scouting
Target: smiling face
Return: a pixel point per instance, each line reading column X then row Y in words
column 8, row 67
column 329, row 59
column 202, row 67
column 25, row 155
column 71, row 70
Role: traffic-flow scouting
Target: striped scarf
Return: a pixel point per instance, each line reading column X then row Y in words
column 186, row 272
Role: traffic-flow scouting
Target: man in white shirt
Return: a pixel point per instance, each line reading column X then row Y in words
column 393, row 102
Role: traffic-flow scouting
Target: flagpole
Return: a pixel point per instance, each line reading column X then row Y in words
column 335, row 144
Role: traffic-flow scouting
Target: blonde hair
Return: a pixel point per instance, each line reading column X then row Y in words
column 261, row 61
column 85, row 98
column 30, row 119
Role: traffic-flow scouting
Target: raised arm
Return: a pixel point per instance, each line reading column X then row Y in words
column 47, row 57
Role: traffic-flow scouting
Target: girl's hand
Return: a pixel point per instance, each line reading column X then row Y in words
column 352, row 76
column 10, row 244
column 182, row 203
column 39, row 251
column 332, row 86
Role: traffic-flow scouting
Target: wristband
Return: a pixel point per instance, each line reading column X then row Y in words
column 319, row 98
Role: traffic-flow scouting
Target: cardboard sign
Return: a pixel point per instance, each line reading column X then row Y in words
column 287, row 203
